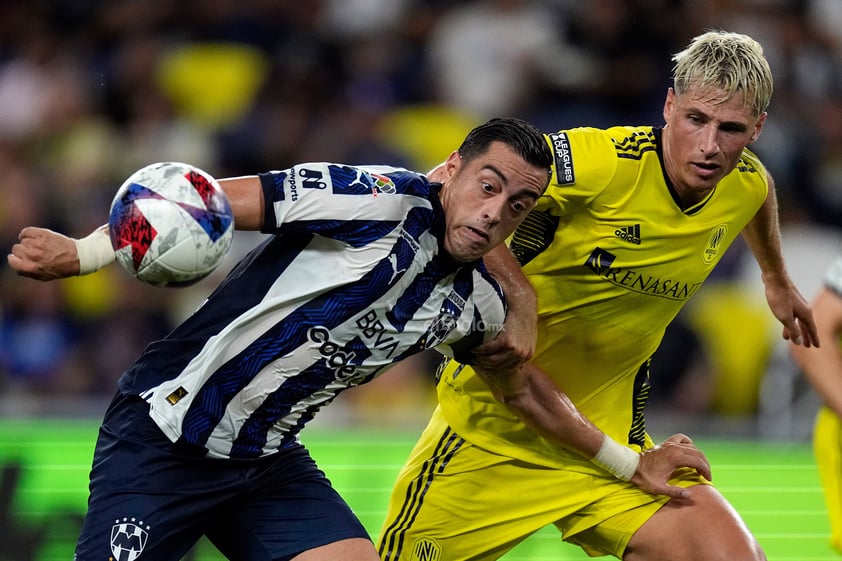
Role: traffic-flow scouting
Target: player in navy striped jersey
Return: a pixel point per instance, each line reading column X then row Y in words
column 366, row 266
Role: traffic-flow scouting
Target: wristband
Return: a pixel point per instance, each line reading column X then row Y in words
column 618, row 460
column 94, row 251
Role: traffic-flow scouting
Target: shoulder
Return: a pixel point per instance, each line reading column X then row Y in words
column 752, row 174
column 587, row 160
column 348, row 179
column 333, row 198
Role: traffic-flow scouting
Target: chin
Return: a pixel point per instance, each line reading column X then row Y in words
column 467, row 256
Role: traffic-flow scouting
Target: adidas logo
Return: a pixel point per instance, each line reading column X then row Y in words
column 629, row 233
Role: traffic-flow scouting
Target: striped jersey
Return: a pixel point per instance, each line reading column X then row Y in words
column 613, row 257
column 352, row 279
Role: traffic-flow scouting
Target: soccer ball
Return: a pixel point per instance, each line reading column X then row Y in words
column 170, row 224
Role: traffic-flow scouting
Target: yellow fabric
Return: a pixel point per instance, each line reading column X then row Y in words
column 604, row 301
column 827, row 447
column 454, row 501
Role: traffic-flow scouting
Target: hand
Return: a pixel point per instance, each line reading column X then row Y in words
column 792, row 310
column 513, row 347
column 658, row 464
column 44, row 255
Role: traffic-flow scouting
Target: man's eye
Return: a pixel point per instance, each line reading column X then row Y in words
column 487, row 187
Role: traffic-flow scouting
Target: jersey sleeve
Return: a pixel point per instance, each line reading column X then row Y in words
column 584, row 163
column 340, row 201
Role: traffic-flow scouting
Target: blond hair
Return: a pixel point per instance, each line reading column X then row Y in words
column 729, row 62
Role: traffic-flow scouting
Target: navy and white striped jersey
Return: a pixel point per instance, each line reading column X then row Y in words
column 353, row 279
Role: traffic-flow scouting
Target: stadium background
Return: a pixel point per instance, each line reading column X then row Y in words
column 91, row 90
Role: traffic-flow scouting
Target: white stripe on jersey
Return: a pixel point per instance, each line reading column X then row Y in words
column 309, row 207
column 323, row 267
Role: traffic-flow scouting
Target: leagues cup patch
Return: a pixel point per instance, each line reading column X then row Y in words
column 563, row 158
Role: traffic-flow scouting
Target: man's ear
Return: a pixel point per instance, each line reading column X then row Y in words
column 453, row 163
column 446, row 169
column 758, row 127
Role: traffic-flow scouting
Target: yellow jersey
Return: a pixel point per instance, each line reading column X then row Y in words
column 613, row 258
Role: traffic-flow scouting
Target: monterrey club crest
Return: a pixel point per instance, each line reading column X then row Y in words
column 128, row 538
column 446, row 322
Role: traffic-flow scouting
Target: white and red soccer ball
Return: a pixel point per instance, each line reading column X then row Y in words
column 170, row 224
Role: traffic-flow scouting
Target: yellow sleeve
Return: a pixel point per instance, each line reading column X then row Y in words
column 585, row 162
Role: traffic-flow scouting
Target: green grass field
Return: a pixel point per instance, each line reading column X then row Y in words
column 774, row 486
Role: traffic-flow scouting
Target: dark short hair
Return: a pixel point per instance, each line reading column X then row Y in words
column 524, row 138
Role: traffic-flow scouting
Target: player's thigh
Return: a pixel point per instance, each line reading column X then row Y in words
column 290, row 507
column 682, row 529
column 454, row 501
column 143, row 497
column 347, row 550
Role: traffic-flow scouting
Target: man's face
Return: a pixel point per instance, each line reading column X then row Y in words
column 486, row 198
column 704, row 139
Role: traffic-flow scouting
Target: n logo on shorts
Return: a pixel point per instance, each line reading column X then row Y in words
column 127, row 540
column 426, row 549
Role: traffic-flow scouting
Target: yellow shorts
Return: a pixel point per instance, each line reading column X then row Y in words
column 827, row 447
column 455, row 501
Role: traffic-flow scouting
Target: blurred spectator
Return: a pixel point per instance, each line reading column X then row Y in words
column 491, row 57
column 94, row 89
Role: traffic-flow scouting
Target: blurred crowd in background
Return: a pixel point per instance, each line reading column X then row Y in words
column 91, row 90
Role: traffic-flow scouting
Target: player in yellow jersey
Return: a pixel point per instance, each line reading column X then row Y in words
column 634, row 221
column 823, row 368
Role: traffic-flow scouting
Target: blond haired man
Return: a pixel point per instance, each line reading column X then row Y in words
column 633, row 222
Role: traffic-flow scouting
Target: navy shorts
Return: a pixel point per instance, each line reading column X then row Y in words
column 151, row 500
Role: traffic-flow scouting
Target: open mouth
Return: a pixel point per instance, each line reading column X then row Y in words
column 478, row 233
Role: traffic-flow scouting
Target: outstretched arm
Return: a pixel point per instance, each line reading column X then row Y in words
column 544, row 408
column 43, row 254
column 763, row 237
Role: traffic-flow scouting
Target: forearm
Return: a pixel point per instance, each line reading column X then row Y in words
column 520, row 294
column 763, row 237
column 245, row 196
column 516, row 343
column 546, row 410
